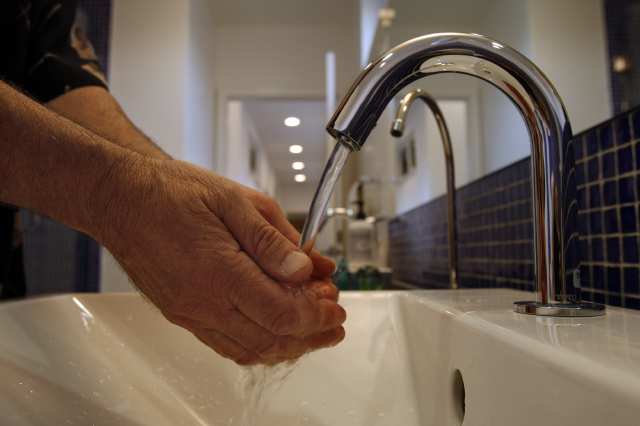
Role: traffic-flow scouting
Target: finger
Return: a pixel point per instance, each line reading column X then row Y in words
column 324, row 290
column 326, row 339
column 266, row 245
column 322, row 266
column 322, row 340
column 281, row 310
column 272, row 348
column 226, row 347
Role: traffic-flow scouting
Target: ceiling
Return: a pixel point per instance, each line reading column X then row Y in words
column 268, row 118
column 285, row 12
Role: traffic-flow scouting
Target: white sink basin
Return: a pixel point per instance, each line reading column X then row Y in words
column 112, row 359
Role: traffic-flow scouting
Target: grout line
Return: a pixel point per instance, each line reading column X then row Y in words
column 602, row 209
column 495, row 190
column 632, row 173
column 613, row 149
column 607, row 264
column 496, row 208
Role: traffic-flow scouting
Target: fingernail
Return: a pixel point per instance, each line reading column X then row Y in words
column 293, row 263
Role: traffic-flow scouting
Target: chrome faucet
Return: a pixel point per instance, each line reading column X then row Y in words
column 552, row 169
column 397, row 129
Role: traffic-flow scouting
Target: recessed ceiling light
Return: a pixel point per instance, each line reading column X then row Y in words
column 295, row 149
column 300, row 178
column 292, row 121
column 297, row 165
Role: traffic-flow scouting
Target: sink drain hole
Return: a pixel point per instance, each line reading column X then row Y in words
column 459, row 396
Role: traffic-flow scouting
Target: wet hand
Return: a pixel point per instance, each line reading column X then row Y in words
column 220, row 260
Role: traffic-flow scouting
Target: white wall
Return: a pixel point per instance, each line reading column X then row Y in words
column 148, row 67
column 428, row 180
column 295, row 198
column 368, row 25
column 505, row 137
column 568, row 43
column 161, row 73
column 241, row 137
column 566, row 40
column 200, row 95
column 378, row 156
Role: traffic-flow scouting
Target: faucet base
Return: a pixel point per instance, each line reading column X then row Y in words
column 582, row 309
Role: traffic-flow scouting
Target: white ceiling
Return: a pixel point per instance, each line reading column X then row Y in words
column 268, row 117
column 285, row 12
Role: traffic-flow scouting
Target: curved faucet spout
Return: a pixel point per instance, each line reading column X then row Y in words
column 552, row 174
column 397, row 130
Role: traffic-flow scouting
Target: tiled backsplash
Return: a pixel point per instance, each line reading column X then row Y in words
column 495, row 246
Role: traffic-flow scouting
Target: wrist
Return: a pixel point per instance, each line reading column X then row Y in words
column 110, row 205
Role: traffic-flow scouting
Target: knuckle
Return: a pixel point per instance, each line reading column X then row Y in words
column 270, row 206
column 266, row 239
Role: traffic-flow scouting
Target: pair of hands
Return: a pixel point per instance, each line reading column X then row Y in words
column 220, row 260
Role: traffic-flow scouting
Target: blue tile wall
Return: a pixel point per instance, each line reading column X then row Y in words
column 495, row 246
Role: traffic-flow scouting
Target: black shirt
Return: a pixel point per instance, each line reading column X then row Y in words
column 45, row 53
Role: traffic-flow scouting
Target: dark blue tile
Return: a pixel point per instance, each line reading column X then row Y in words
column 610, row 193
column 606, row 136
column 591, row 142
column 597, row 249
column 608, row 165
column 595, row 198
column 598, row 277
column 611, row 224
column 581, row 174
column 593, row 170
column 625, row 160
column 628, row 219
column 582, row 198
column 623, row 134
column 613, row 249
column 631, row 281
column 595, row 223
column 614, row 300
column 627, row 190
column 613, row 279
column 578, row 148
column 583, row 223
column 587, row 296
column 636, row 124
column 630, row 249
column 638, row 155
column 632, row 303
column 599, row 298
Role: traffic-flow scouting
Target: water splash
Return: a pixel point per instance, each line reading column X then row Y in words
column 257, row 385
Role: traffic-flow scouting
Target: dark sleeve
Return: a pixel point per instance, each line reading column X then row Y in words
column 60, row 58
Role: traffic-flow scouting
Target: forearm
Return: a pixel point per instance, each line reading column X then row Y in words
column 52, row 165
column 96, row 110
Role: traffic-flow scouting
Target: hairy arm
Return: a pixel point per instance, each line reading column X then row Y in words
column 94, row 108
column 49, row 164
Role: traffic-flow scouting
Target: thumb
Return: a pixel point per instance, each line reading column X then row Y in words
column 266, row 245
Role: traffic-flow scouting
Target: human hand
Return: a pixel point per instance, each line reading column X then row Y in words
column 219, row 260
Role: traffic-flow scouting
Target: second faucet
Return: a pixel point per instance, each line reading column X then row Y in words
column 397, row 130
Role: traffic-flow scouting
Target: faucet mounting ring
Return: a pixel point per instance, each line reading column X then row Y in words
column 582, row 309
